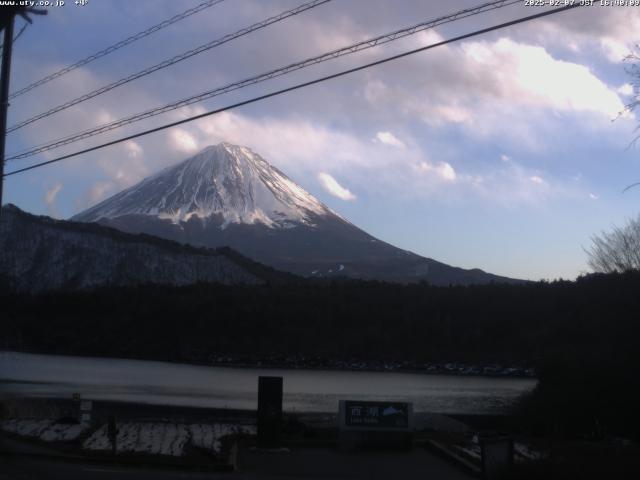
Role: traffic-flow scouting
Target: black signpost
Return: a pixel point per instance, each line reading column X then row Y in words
column 269, row 411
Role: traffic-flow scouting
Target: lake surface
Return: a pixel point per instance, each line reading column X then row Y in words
column 33, row 375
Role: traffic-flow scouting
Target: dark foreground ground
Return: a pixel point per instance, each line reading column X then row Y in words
column 317, row 463
column 312, row 450
column 311, row 440
column 21, row 462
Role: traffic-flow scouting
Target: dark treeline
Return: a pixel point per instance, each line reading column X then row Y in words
column 582, row 336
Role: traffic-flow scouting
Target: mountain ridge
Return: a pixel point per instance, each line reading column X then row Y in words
column 228, row 195
column 39, row 253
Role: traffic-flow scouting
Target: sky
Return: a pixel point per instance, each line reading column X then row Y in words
column 505, row 152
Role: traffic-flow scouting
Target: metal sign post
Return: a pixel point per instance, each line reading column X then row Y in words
column 112, row 433
column 85, row 411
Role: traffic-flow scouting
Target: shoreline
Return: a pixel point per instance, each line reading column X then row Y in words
column 131, row 411
column 454, row 368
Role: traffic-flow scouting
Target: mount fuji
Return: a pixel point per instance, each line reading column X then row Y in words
column 227, row 195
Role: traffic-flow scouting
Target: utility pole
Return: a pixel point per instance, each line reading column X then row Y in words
column 7, row 17
column 5, row 74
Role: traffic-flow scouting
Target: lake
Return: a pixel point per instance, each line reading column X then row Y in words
column 139, row 381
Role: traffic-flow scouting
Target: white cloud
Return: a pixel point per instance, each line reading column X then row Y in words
column 486, row 86
column 50, row 198
column 183, row 141
column 99, row 191
column 447, row 172
column 626, row 89
column 537, row 179
column 332, row 186
column 609, row 31
column 389, row 138
column 134, row 150
column 297, row 145
column 443, row 170
column 376, row 91
column 301, row 148
column 441, row 114
column 529, row 74
column 593, row 196
column 127, row 169
column 293, row 144
column 104, row 116
column 429, row 37
column 513, row 184
column 505, row 158
column 615, row 50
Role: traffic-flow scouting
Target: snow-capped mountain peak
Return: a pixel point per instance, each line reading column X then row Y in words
column 227, row 195
column 224, row 180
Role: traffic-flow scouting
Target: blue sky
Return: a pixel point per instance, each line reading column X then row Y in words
column 498, row 152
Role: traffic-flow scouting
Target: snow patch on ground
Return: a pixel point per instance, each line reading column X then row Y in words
column 152, row 438
column 207, row 436
column 525, row 453
column 522, row 452
column 46, row 430
column 165, row 438
column 472, row 451
column 26, row 428
column 60, row 432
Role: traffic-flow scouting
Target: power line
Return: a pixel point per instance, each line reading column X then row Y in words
column 24, row 27
column 117, row 46
column 298, row 86
column 167, row 63
column 20, row 32
column 365, row 44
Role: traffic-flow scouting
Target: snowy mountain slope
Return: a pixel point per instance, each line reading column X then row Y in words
column 222, row 180
column 228, row 195
column 39, row 253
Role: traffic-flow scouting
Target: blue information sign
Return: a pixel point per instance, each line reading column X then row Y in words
column 367, row 415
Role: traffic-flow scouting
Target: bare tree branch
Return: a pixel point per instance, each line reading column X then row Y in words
column 616, row 251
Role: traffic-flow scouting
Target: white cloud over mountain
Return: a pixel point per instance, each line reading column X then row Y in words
column 332, row 186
